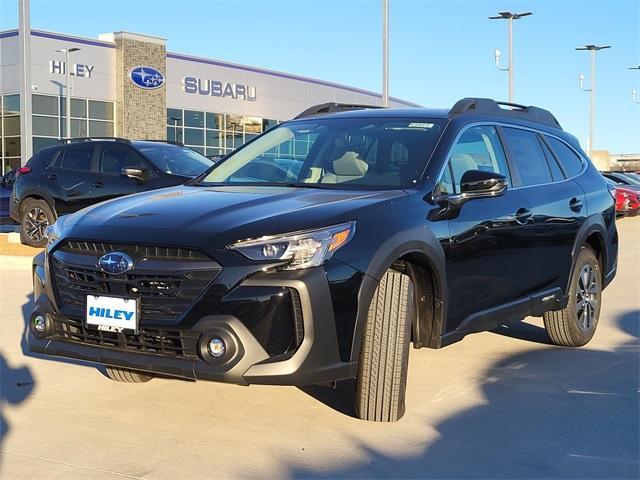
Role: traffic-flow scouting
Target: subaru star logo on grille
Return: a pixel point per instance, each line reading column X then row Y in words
column 146, row 77
column 115, row 263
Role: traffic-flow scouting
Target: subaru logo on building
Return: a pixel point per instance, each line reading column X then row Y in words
column 115, row 263
column 146, row 77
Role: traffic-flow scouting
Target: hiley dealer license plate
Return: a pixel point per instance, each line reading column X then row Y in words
column 112, row 313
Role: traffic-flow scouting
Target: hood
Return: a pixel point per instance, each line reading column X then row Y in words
column 213, row 217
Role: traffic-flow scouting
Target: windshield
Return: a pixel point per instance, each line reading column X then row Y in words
column 334, row 153
column 176, row 160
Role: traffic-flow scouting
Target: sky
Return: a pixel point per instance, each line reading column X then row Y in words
column 440, row 51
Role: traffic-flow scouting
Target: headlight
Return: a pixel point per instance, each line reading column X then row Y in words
column 304, row 249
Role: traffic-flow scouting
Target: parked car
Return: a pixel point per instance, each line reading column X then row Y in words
column 627, row 201
column 6, row 186
column 628, row 179
column 320, row 250
column 65, row 178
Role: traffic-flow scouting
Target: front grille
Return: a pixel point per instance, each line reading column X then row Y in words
column 84, row 247
column 169, row 343
column 166, row 281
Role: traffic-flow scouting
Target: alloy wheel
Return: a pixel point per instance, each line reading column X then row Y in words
column 36, row 222
column 587, row 297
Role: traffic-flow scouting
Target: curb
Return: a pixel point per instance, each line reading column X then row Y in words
column 11, row 262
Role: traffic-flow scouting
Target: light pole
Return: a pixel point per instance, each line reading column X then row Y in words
column 67, row 72
column 592, row 90
column 509, row 68
column 385, row 53
column 633, row 91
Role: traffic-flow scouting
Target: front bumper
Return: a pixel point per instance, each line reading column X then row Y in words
column 315, row 360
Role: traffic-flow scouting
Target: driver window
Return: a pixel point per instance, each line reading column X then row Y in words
column 478, row 148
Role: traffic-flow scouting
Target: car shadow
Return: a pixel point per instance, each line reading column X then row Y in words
column 338, row 396
column 16, row 384
column 545, row 413
column 524, row 331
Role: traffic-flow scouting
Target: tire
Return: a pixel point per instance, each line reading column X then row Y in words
column 384, row 356
column 35, row 216
column 576, row 324
column 126, row 376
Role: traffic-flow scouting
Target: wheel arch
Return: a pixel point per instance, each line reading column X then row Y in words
column 416, row 258
column 37, row 196
column 592, row 234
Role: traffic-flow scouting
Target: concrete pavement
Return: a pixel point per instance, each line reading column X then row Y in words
column 496, row 405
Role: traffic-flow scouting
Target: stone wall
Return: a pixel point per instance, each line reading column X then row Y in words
column 140, row 113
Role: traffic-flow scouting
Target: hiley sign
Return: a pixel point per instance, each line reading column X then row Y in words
column 77, row 69
column 215, row 88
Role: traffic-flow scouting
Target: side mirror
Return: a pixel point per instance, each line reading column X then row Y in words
column 475, row 184
column 135, row 173
column 479, row 183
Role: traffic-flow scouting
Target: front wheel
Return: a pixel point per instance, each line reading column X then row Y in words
column 36, row 215
column 576, row 324
column 384, row 356
column 126, row 376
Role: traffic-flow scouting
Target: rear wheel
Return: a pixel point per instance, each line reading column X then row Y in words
column 384, row 356
column 576, row 324
column 127, row 376
column 36, row 215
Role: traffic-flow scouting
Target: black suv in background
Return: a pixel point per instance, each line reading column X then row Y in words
column 64, row 178
column 325, row 246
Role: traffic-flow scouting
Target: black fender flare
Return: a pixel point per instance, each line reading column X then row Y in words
column 594, row 224
column 417, row 240
column 37, row 194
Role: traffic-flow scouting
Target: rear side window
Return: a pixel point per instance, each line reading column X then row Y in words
column 569, row 160
column 556, row 171
column 527, row 156
column 114, row 158
column 78, row 158
column 43, row 158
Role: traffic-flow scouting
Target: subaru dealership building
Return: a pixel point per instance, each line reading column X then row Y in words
column 127, row 85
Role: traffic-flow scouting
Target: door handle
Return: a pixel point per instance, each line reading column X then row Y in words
column 98, row 184
column 523, row 215
column 53, row 176
column 575, row 204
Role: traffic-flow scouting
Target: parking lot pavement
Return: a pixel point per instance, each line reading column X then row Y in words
column 496, row 405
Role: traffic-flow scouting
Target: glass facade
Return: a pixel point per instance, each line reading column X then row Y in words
column 213, row 133
column 9, row 132
column 88, row 118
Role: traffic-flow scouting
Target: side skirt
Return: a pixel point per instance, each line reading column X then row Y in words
column 533, row 305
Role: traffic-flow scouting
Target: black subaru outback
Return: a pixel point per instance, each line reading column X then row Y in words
column 321, row 249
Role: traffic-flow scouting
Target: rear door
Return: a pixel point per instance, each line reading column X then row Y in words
column 70, row 178
column 557, row 205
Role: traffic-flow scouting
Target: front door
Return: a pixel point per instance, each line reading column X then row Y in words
column 111, row 182
column 488, row 252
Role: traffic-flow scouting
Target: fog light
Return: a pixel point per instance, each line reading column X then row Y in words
column 217, row 347
column 39, row 323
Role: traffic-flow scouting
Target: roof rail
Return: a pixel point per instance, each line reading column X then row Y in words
column 489, row 106
column 170, row 142
column 332, row 107
column 92, row 139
